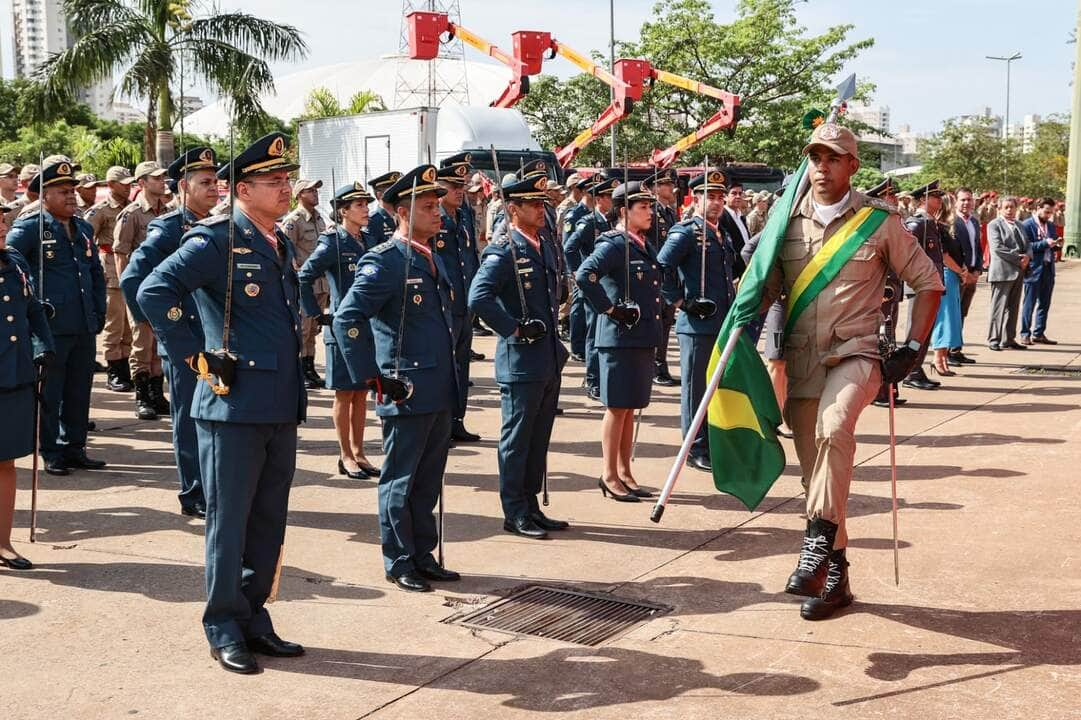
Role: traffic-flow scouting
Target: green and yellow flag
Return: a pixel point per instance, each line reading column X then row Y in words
column 743, row 414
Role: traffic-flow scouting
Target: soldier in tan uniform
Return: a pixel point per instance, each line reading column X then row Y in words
column 131, row 225
column 117, row 340
column 303, row 225
column 86, row 192
column 832, row 356
column 9, row 183
column 26, row 174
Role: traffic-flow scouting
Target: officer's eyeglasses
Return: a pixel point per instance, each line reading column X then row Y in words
column 275, row 184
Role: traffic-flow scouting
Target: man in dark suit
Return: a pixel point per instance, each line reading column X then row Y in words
column 966, row 230
column 734, row 224
column 1042, row 236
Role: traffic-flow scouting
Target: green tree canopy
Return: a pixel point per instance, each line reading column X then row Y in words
column 765, row 56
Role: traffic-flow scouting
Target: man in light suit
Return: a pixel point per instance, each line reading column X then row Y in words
column 1009, row 261
column 1042, row 237
column 966, row 230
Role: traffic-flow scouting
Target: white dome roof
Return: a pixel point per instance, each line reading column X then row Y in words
column 485, row 82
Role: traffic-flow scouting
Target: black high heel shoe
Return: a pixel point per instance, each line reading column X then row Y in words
column 935, row 370
column 372, row 470
column 16, row 563
column 606, row 491
column 637, row 491
column 351, row 474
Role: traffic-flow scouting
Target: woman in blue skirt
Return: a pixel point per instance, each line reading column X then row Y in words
column 621, row 280
column 25, row 343
column 947, row 331
column 336, row 257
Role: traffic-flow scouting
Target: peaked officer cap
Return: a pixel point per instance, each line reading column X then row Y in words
column 348, row 193
column 267, row 154
column 888, row 186
column 532, row 188
column 402, row 189
column 53, row 174
column 533, row 168
column 664, row 176
column 630, row 193
column 709, row 180
column 385, row 180
column 604, row 186
column 453, row 174
column 930, row 188
column 462, row 158
column 198, row 158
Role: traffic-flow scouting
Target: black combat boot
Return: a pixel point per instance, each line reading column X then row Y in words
column 836, row 594
column 918, row 379
column 157, row 395
column 119, row 376
column 810, row 575
column 312, row 380
column 144, row 406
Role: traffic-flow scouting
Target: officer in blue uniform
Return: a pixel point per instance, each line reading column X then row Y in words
column 621, row 282
column 578, row 309
column 26, row 348
column 252, row 397
column 701, row 309
column 336, row 258
column 382, row 223
column 529, row 356
column 74, row 284
column 197, row 189
column 579, row 246
column 665, row 217
column 403, row 291
column 459, row 255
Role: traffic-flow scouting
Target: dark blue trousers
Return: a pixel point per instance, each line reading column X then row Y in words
column 694, row 352
column 415, row 457
column 578, row 322
column 247, row 470
column 529, row 409
column 1037, row 301
column 593, row 362
column 463, row 344
column 182, row 381
column 65, row 407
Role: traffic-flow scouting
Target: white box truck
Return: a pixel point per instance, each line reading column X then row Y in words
column 360, row 147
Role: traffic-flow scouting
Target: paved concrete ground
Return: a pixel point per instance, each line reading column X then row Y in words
column 985, row 623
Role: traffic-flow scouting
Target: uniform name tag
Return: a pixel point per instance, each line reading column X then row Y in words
column 49, row 242
column 415, row 281
column 249, row 266
column 525, row 271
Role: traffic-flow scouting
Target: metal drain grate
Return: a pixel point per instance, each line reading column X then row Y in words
column 567, row 615
column 1069, row 371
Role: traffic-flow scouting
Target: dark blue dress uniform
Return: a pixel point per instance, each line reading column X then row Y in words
column 681, row 260
column 248, row 437
column 336, row 257
column 528, row 373
column 578, row 309
column 625, row 354
column 664, row 219
column 381, row 224
column 25, row 336
column 577, row 247
column 74, row 284
column 416, row 432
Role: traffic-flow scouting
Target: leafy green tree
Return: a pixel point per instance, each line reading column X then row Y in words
column 365, row 101
column 969, row 154
column 1044, row 166
column 144, row 41
column 765, row 56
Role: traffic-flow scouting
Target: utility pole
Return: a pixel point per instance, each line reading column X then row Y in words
column 1006, row 126
column 612, row 65
column 1072, row 246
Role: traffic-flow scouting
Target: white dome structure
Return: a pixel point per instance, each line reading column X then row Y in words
column 485, row 81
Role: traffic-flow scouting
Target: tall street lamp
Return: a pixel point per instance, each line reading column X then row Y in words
column 1006, row 126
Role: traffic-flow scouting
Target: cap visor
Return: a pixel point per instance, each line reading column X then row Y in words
column 839, row 149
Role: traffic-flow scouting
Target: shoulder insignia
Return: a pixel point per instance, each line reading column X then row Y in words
column 880, row 204
column 213, row 220
column 383, row 247
column 369, row 269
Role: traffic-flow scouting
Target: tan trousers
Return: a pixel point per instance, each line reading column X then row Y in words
column 311, row 327
column 144, row 350
column 824, row 429
column 117, row 334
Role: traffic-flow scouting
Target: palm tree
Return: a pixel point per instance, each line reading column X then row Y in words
column 150, row 40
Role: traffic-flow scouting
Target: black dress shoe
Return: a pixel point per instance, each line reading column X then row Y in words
column 81, row 461
column 475, row 356
column 594, row 392
column 548, row 523
column 17, row 563
column 525, row 527
column 359, row 474
column 664, row 379
column 959, row 358
column 236, row 658
column 481, row 331
column 271, row 644
column 559, row 411
column 994, row 346
column 437, row 573
column 410, row 581
column 700, row 462
column 91, row 426
column 1014, row 346
column 1043, row 340
column 197, row 510
column 459, row 433
column 919, row 383
column 57, row 467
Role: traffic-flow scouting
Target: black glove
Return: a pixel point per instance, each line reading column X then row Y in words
column 218, row 363
column 44, row 359
column 325, row 318
column 700, row 308
column 532, row 329
column 397, row 390
column 898, row 365
column 625, row 315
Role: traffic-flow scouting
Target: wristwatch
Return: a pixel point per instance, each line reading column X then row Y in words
column 914, row 345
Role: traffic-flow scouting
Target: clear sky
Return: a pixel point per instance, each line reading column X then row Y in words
column 928, row 60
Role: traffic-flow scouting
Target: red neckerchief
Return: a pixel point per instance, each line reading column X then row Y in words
column 637, row 239
column 421, row 248
column 533, row 242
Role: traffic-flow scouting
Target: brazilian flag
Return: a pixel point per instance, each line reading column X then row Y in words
column 743, row 414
